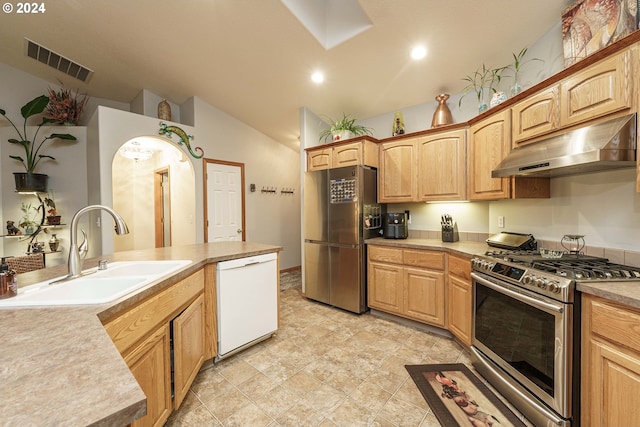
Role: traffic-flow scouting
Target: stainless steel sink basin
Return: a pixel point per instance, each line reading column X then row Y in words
column 95, row 286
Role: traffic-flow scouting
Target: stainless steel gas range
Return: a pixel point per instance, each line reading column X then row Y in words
column 526, row 324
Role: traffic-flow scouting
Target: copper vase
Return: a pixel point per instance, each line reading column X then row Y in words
column 442, row 115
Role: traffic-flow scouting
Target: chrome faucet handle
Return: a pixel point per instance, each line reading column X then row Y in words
column 84, row 246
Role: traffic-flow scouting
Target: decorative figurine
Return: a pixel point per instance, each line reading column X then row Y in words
column 398, row 124
column 12, row 230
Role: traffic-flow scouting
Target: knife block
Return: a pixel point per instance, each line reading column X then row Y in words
column 451, row 235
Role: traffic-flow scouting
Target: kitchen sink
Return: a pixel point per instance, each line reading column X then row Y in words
column 95, row 286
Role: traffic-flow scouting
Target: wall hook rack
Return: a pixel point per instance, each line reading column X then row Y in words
column 287, row 191
column 271, row 190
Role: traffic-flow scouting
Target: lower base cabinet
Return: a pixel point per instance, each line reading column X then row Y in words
column 460, row 298
column 150, row 364
column 396, row 285
column 161, row 337
column 610, row 364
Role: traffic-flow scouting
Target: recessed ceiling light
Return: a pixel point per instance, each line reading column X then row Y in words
column 317, row 77
column 418, row 52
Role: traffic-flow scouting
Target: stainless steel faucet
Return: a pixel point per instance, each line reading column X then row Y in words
column 77, row 254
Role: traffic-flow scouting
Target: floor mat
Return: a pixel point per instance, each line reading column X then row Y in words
column 458, row 398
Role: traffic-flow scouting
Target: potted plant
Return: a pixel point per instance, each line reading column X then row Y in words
column 28, row 220
column 52, row 213
column 344, row 128
column 515, row 68
column 65, row 107
column 483, row 80
column 29, row 180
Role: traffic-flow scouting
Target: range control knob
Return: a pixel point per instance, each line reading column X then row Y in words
column 541, row 283
column 553, row 287
column 529, row 279
column 487, row 265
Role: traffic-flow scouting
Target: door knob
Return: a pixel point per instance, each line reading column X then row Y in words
column 239, row 230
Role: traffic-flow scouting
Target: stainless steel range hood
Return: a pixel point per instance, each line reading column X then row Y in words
column 605, row 146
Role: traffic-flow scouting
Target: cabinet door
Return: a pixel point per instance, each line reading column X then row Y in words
column 189, row 348
column 397, row 178
column 610, row 363
column 424, row 295
column 442, row 166
column 385, row 283
column 318, row 159
column 489, row 143
column 536, row 115
column 459, row 308
column 601, row 89
column 347, row 155
column 150, row 364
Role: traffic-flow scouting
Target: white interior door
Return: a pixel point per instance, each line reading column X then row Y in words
column 225, row 210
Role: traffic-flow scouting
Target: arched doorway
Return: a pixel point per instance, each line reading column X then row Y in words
column 142, row 169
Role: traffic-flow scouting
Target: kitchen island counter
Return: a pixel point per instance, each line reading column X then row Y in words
column 59, row 366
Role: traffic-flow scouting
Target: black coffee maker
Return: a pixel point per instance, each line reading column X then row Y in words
column 395, row 226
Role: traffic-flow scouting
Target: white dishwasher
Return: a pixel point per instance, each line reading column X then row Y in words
column 247, row 296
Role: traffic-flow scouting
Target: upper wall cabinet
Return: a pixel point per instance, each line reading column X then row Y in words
column 397, row 177
column 442, row 166
column 362, row 152
column 603, row 88
column 536, row 115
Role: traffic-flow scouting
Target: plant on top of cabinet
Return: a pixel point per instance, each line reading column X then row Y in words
column 29, row 180
column 65, row 107
column 344, row 128
column 482, row 80
column 515, row 67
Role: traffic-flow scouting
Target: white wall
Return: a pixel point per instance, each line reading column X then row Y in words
column 270, row 218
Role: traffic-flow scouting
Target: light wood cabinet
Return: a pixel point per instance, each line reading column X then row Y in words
column 189, row 348
column 397, row 176
column 460, row 298
column 364, row 152
column 537, row 115
column 442, row 166
column 603, row 88
column 610, row 380
column 489, row 143
column 142, row 335
column 407, row 283
column 150, row 364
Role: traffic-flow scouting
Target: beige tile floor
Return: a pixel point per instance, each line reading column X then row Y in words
column 325, row 367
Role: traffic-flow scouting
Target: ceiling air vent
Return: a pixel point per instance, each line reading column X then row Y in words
column 57, row 61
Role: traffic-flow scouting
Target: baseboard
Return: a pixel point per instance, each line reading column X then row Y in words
column 288, row 270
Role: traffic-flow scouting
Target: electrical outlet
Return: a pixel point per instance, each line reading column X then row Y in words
column 500, row 221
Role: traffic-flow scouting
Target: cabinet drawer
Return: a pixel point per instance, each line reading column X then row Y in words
column 385, row 254
column 460, row 267
column 128, row 328
column 615, row 323
column 426, row 259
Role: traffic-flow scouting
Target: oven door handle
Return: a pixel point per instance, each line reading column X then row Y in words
column 535, row 302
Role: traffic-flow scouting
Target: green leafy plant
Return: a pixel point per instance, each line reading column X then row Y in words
column 32, row 146
column 50, row 204
column 482, row 79
column 516, row 65
column 346, row 123
column 29, row 214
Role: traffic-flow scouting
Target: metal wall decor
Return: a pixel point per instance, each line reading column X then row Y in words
column 168, row 131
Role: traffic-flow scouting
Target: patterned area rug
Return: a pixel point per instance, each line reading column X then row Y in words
column 458, row 398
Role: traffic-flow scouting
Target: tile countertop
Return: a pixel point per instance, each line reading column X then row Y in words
column 59, row 366
column 627, row 293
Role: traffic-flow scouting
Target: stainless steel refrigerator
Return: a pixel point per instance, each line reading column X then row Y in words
column 340, row 212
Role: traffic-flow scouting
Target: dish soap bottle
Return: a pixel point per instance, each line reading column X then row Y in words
column 8, row 282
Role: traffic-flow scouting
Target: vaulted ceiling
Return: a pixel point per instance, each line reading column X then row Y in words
column 253, row 58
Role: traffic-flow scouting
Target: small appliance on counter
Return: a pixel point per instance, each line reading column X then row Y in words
column 513, row 241
column 396, row 226
column 449, row 229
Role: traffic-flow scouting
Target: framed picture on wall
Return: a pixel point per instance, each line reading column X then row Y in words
column 590, row 25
